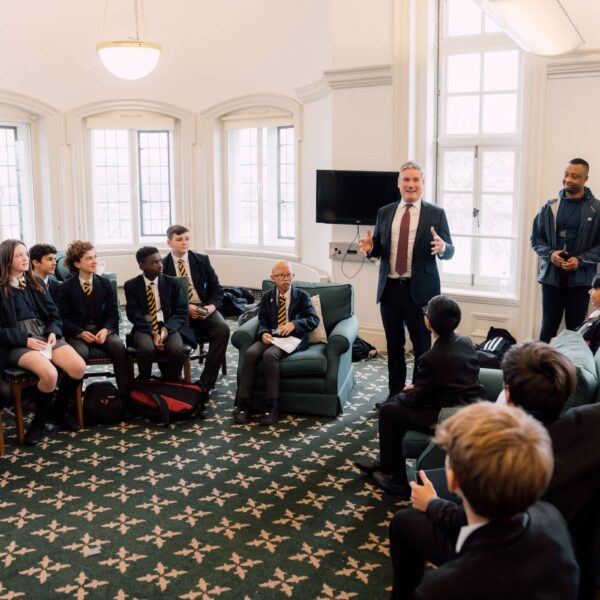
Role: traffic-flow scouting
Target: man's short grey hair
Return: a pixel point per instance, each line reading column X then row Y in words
column 412, row 164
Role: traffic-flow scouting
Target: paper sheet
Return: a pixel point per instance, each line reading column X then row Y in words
column 289, row 344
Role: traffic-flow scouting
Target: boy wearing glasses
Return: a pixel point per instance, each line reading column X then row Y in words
column 447, row 375
column 284, row 311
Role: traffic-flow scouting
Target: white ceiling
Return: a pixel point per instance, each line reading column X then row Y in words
column 585, row 15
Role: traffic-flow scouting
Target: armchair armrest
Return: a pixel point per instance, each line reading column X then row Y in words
column 245, row 336
column 342, row 336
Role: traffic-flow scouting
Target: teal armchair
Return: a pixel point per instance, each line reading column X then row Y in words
column 318, row 380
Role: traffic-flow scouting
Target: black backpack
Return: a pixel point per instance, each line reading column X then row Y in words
column 491, row 351
column 362, row 349
column 102, row 404
column 167, row 401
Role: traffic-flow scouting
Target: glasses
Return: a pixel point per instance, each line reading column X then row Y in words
column 424, row 309
column 284, row 276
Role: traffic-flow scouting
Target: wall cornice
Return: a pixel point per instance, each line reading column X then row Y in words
column 339, row 79
column 34, row 107
column 576, row 64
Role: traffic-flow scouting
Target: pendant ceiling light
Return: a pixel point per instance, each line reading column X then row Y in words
column 132, row 58
column 542, row 27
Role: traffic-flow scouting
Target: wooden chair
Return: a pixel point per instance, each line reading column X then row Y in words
column 20, row 379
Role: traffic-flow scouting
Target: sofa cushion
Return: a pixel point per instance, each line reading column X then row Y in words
column 318, row 335
column 573, row 346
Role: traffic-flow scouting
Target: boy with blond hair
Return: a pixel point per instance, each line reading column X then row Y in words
column 499, row 462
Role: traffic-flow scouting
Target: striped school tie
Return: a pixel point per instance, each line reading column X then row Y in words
column 183, row 273
column 281, row 312
column 87, row 288
column 151, row 300
column 22, row 283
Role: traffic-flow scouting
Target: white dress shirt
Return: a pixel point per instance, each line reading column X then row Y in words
column 465, row 532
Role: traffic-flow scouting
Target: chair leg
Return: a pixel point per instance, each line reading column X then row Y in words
column 17, row 389
column 79, row 404
column 187, row 371
column 1, row 435
column 130, row 368
column 224, row 366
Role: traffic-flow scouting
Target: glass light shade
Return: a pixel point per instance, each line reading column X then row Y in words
column 129, row 60
column 541, row 27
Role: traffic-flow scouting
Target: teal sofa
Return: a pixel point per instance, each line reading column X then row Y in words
column 318, row 380
column 421, row 453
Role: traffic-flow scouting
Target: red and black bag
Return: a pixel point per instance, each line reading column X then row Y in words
column 167, row 401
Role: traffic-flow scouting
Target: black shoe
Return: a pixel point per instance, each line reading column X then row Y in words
column 67, row 423
column 36, row 433
column 368, row 467
column 390, row 484
column 240, row 416
column 270, row 418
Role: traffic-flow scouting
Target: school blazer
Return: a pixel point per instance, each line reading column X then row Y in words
column 301, row 312
column 71, row 304
column 173, row 306
column 425, row 278
column 10, row 334
column 204, row 278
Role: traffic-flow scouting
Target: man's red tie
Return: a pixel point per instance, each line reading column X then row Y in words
column 402, row 255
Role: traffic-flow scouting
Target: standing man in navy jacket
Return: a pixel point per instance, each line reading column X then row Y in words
column 205, row 299
column 408, row 236
column 566, row 237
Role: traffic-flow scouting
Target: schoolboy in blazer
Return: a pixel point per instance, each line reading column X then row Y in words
column 43, row 261
column 296, row 317
column 168, row 331
column 88, row 309
column 205, row 299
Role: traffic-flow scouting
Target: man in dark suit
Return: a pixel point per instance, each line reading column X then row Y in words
column 408, row 236
column 447, row 375
column 205, row 299
column 499, row 462
column 538, row 379
column 89, row 312
column 284, row 311
column 43, row 261
column 157, row 308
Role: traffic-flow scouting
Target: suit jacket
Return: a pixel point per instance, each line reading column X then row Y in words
column 301, row 312
column 544, row 242
column 10, row 334
column 53, row 286
column 72, row 306
column 425, row 278
column 526, row 557
column 590, row 330
column 446, row 375
column 204, row 278
column 173, row 305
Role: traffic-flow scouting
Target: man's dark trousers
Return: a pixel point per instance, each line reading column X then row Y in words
column 398, row 308
column 573, row 301
column 270, row 355
column 215, row 330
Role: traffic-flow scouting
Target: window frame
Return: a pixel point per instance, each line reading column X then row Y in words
column 25, row 177
column 479, row 142
column 261, row 245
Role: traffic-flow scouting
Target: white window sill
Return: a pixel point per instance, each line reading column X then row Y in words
column 480, row 297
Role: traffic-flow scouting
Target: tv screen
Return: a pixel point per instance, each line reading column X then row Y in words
column 354, row 197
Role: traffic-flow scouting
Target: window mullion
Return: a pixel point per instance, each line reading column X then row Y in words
column 136, row 196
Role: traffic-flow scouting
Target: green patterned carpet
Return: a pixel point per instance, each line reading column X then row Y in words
column 201, row 510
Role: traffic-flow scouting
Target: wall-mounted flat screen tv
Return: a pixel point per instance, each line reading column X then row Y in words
column 354, row 197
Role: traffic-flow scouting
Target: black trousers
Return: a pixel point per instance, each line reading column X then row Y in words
column 147, row 354
column 215, row 330
column 415, row 539
column 270, row 355
column 556, row 300
column 115, row 348
column 395, row 419
column 397, row 309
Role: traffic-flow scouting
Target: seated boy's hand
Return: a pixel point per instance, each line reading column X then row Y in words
column 88, row 337
column 422, row 494
column 267, row 338
column 408, row 387
column 287, row 329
